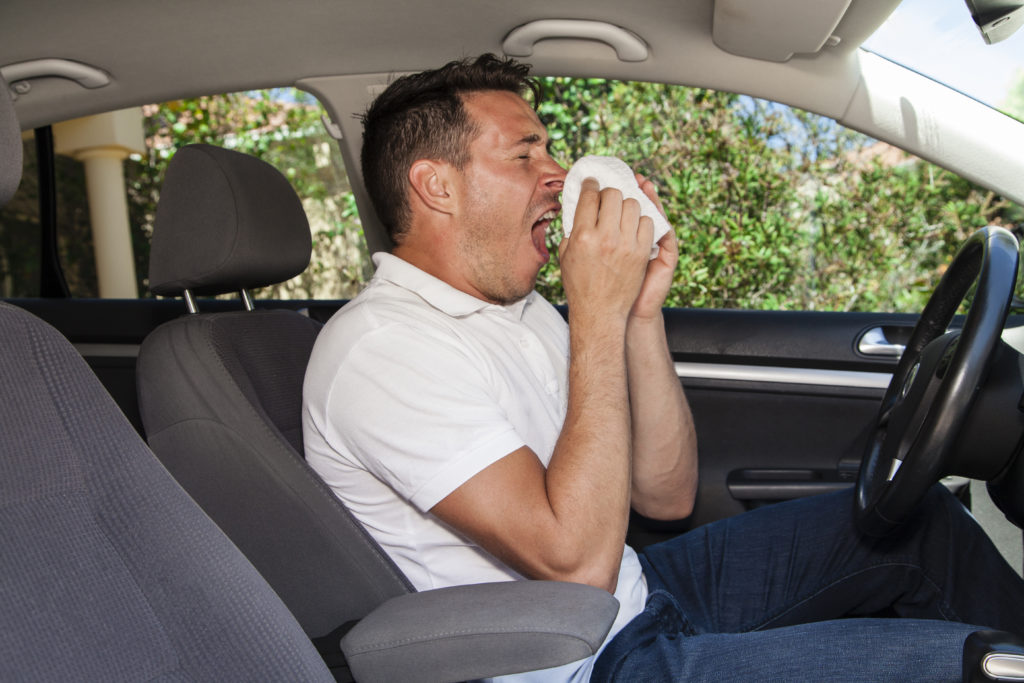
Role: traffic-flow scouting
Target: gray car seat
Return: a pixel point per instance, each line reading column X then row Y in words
column 108, row 571
column 220, row 396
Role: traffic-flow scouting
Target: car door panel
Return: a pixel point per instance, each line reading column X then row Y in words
column 782, row 401
column 108, row 332
column 783, row 404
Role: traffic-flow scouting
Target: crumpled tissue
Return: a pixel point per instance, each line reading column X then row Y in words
column 609, row 172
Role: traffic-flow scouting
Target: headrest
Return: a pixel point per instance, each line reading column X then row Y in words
column 10, row 145
column 225, row 221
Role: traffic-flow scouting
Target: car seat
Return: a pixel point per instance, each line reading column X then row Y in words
column 108, row 570
column 220, row 396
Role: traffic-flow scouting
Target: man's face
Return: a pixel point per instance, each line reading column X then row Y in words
column 510, row 190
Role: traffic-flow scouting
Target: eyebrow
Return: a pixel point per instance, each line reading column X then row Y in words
column 535, row 139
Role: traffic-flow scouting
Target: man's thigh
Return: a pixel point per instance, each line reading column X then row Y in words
column 804, row 561
column 848, row 650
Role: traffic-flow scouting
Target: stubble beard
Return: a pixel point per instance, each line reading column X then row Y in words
column 494, row 280
column 490, row 267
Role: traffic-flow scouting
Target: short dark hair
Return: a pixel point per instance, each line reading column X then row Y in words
column 421, row 116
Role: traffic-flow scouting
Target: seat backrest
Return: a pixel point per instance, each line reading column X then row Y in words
column 221, row 394
column 108, row 571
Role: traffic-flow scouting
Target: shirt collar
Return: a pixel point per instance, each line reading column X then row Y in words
column 437, row 292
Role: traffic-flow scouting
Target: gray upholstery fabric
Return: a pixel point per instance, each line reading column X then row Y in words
column 10, row 146
column 108, row 571
column 477, row 631
column 225, row 221
column 221, row 399
column 220, row 395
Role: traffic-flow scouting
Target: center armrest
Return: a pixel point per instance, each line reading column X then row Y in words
column 480, row 630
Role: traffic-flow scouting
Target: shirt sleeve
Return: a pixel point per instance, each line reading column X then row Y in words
column 419, row 410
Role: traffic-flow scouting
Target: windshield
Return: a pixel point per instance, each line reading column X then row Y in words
column 939, row 39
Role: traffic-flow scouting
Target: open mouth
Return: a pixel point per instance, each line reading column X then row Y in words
column 539, row 233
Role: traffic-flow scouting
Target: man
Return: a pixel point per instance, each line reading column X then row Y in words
column 479, row 438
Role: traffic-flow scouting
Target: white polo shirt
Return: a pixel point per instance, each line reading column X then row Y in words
column 412, row 389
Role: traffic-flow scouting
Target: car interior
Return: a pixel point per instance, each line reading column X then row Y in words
column 159, row 518
column 220, row 396
column 95, row 581
column 117, row 527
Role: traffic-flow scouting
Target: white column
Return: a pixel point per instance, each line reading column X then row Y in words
column 102, row 142
column 108, row 214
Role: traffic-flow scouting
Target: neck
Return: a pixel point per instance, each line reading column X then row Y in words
column 433, row 258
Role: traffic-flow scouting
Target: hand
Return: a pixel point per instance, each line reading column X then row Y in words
column 660, row 270
column 605, row 259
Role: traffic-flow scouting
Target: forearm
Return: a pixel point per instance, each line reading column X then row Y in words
column 588, row 478
column 664, row 442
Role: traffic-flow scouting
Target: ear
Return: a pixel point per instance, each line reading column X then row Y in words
column 431, row 183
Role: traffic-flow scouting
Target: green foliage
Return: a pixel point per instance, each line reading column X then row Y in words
column 1014, row 104
column 774, row 208
column 283, row 128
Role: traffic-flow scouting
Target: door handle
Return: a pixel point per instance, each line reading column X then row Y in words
column 873, row 342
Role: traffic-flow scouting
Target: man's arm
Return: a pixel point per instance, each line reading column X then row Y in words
column 568, row 521
column 664, row 439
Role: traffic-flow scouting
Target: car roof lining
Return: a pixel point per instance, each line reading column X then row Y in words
column 231, row 48
column 333, row 51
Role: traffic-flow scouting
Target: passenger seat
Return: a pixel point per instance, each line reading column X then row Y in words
column 221, row 398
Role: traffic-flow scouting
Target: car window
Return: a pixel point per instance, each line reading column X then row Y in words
column 19, row 235
column 280, row 126
column 775, row 208
column 284, row 128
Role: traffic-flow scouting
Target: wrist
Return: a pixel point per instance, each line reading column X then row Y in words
column 646, row 320
column 646, row 333
column 599, row 321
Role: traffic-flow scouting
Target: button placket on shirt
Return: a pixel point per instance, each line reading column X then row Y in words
column 532, row 346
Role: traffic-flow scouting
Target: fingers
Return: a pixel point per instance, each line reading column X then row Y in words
column 598, row 209
column 645, row 232
column 588, row 205
column 629, row 214
column 604, row 209
column 605, row 260
column 651, row 190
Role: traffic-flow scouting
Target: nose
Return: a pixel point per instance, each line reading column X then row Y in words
column 554, row 175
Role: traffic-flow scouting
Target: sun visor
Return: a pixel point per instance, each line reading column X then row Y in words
column 775, row 30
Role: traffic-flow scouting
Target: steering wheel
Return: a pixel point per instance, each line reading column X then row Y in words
column 935, row 384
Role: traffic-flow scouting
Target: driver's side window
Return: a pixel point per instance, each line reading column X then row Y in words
column 775, row 208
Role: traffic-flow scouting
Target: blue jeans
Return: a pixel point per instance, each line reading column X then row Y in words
column 769, row 595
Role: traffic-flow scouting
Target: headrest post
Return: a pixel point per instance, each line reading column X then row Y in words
column 190, row 301
column 246, row 299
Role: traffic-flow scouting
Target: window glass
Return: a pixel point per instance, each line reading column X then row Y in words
column 21, row 234
column 938, row 38
column 281, row 126
column 775, row 208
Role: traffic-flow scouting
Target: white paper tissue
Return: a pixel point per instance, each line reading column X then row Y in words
column 609, row 172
